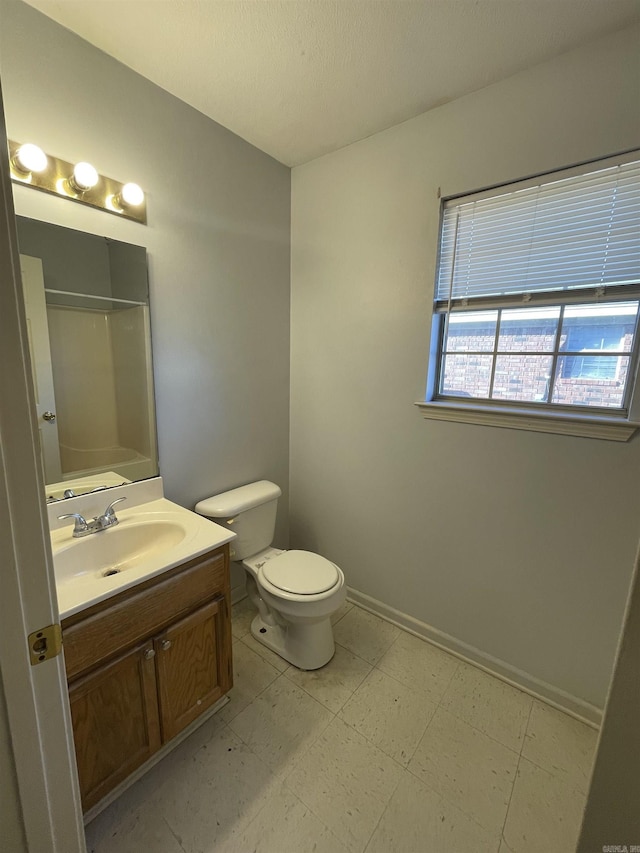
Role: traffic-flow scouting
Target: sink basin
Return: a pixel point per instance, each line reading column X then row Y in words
column 118, row 549
column 152, row 537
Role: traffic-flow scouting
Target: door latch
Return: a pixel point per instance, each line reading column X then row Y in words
column 45, row 644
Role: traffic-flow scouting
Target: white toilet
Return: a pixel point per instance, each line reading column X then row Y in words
column 296, row 592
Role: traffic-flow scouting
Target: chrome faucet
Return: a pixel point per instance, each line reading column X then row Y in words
column 82, row 527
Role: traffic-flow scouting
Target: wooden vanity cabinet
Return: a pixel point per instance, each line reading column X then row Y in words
column 145, row 664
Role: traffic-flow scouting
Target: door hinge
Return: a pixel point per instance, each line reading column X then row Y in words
column 45, row 644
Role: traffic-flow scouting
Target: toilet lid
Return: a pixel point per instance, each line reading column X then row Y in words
column 301, row 572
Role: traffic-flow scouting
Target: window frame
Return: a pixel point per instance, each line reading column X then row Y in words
column 612, row 423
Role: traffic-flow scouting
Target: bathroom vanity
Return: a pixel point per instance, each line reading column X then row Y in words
column 145, row 664
column 147, row 644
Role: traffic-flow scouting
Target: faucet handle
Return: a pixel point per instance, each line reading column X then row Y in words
column 80, row 522
column 109, row 513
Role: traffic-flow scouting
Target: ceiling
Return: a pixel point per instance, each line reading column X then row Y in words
column 300, row 78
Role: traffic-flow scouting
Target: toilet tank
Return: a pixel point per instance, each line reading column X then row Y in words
column 250, row 512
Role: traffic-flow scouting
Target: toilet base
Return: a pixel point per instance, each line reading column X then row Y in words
column 306, row 645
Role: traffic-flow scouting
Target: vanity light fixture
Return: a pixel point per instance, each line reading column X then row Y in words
column 31, row 167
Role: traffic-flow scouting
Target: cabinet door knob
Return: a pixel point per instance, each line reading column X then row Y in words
column 165, row 645
column 149, row 654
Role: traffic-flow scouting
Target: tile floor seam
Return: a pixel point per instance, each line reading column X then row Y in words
column 170, row 828
column 384, row 811
column 453, row 675
column 418, row 692
column 480, row 731
column 515, row 778
column 506, row 814
column 526, row 728
column 305, row 750
column 317, row 816
column 266, row 687
column 359, row 685
column 249, row 634
column 560, row 776
column 374, row 744
column 449, row 801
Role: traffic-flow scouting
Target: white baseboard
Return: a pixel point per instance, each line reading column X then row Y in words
column 577, row 708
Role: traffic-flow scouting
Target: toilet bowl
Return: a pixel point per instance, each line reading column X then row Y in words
column 295, row 592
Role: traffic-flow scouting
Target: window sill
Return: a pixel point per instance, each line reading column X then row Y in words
column 583, row 425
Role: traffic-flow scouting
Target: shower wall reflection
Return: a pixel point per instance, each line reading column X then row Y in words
column 89, row 334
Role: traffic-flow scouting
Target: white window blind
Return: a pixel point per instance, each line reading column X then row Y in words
column 577, row 232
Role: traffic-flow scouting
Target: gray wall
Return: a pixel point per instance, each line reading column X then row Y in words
column 218, row 243
column 518, row 544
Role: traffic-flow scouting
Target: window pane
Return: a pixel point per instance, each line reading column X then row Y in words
column 522, row 377
column 466, row 375
column 471, row 331
column 593, row 380
column 594, row 328
column 528, row 330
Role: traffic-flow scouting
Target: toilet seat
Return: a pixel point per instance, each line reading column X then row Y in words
column 300, row 573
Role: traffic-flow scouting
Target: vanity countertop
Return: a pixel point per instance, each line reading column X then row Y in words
column 149, row 539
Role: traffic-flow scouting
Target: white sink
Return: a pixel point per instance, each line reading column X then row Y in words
column 148, row 540
column 118, row 549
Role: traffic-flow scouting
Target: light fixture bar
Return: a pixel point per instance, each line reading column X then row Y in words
column 58, row 179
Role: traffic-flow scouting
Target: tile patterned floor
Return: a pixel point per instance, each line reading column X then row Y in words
column 393, row 747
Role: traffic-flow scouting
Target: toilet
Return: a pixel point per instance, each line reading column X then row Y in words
column 295, row 592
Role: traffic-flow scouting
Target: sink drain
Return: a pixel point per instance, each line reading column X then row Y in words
column 110, row 572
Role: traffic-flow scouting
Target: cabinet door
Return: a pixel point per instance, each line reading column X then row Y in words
column 115, row 721
column 193, row 664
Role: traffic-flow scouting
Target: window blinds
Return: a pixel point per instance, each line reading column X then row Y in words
column 575, row 232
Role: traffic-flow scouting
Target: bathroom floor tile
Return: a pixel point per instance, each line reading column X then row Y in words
column 285, row 824
column 364, row 634
column 488, row 704
column 417, row 820
column 287, row 776
column 242, row 615
column 347, row 782
column 467, row 768
column 266, row 654
column 281, row 723
column 140, row 829
column 342, row 611
column 560, row 744
column 419, row 666
column 388, row 714
column 251, row 675
column 545, row 812
column 333, row 684
column 209, row 800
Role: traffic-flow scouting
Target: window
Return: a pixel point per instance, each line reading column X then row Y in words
column 537, row 300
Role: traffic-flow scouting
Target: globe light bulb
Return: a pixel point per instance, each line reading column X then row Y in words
column 30, row 158
column 84, row 176
column 132, row 195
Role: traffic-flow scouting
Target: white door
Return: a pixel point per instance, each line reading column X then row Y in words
column 45, row 815
column 40, row 352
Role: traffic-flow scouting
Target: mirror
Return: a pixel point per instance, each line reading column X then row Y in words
column 87, row 306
